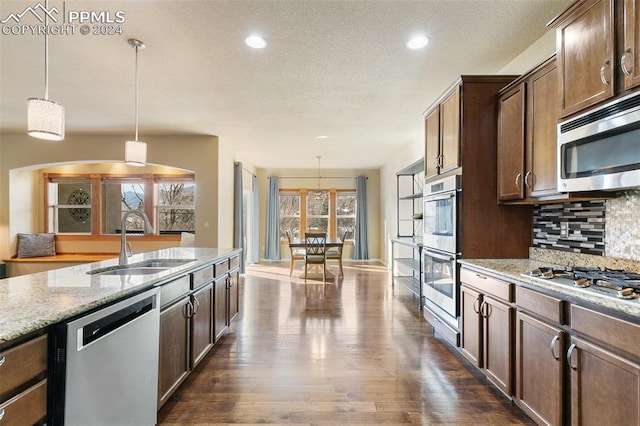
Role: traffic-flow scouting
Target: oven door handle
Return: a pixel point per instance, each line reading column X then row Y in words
column 441, row 256
column 440, row 197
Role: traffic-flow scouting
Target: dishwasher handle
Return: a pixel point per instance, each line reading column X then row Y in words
column 109, row 323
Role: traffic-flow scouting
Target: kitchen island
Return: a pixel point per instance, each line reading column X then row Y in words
column 188, row 297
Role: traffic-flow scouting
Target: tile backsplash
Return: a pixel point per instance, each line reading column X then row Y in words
column 606, row 228
column 578, row 227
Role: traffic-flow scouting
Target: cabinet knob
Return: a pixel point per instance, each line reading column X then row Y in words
column 603, row 69
column 553, row 347
column 623, row 62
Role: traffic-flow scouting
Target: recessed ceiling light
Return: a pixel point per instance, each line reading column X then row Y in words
column 256, row 42
column 417, row 42
column 322, row 137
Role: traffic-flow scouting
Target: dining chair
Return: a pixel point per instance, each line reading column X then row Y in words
column 296, row 253
column 315, row 246
column 335, row 253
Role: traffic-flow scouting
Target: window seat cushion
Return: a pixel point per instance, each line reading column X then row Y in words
column 65, row 258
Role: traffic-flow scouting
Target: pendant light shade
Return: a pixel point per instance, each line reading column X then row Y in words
column 135, row 152
column 45, row 118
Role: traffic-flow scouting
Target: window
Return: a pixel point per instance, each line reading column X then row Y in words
column 346, row 213
column 332, row 211
column 168, row 201
column 289, row 213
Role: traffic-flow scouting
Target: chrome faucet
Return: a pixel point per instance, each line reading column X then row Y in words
column 125, row 250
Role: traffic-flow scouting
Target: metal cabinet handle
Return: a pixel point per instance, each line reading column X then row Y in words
column 569, row 356
column 196, row 306
column 623, row 62
column 518, row 176
column 1, row 413
column 189, row 307
column 441, row 160
column 526, row 179
column 485, row 310
column 553, row 346
column 2, row 361
column 436, row 162
column 603, row 78
column 481, row 276
column 476, row 309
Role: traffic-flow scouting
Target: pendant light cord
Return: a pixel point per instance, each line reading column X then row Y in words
column 46, row 51
column 136, row 85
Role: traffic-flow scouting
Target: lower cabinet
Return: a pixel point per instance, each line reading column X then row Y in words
column 220, row 309
column 540, row 363
column 487, row 326
column 201, row 323
column 23, row 383
column 604, row 358
column 233, row 295
column 174, row 361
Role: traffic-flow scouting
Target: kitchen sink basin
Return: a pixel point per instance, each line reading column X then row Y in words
column 146, row 267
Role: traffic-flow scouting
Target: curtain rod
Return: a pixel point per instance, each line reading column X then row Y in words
column 321, row 177
column 246, row 170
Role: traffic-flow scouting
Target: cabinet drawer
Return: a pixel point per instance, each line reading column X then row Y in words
column 221, row 268
column 234, row 262
column 544, row 306
column 174, row 290
column 612, row 331
column 201, row 276
column 22, row 364
column 489, row 285
column 26, row 408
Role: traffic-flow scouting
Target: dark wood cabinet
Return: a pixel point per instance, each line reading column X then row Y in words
column 174, row 359
column 201, row 323
column 233, row 295
column 539, row 352
column 630, row 59
column 487, row 326
column 220, row 306
column 527, row 119
column 442, row 134
column 23, row 383
column 586, row 57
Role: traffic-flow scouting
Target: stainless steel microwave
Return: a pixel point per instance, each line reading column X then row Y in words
column 600, row 149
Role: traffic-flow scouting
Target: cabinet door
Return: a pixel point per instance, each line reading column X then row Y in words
column 470, row 345
column 585, row 46
column 498, row 343
column 432, row 143
column 511, row 144
column 220, row 307
column 233, row 289
column 539, row 369
column 630, row 61
column 450, row 131
column 542, row 117
column 604, row 386
column 174, row 348
column 201, row 323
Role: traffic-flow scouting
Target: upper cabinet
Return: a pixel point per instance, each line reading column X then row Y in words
column 527, row 118
column 442, row 134
column 592, row 65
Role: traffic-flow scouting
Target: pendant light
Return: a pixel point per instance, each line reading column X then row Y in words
column 318, row 194
column 45, row 118
column 135, row 151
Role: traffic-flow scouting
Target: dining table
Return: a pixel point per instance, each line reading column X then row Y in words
column 329, row 243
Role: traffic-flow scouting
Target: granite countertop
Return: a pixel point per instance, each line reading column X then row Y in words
column 512, row 268
column 29, row 303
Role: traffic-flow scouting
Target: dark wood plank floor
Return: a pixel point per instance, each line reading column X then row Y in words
column 352, row 352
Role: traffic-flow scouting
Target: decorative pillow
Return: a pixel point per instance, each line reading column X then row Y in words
column 36, row 245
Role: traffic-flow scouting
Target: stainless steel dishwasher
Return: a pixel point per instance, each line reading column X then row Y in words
column 105, row 365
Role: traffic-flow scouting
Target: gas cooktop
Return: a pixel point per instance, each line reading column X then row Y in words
column 610, row 282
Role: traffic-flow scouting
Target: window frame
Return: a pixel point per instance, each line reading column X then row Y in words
column 97, row 180
column 333, row 216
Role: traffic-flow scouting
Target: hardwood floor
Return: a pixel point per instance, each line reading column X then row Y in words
column 352, row 352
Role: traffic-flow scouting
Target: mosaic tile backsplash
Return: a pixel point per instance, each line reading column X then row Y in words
column 606, row 228
column 578, row 227
column 622, row 238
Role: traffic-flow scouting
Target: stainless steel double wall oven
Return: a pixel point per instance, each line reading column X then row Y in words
column 440, row 239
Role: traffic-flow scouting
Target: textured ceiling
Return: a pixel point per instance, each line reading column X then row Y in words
column 334, row 68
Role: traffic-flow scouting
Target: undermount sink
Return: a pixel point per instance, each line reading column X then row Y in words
column 146, row 267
